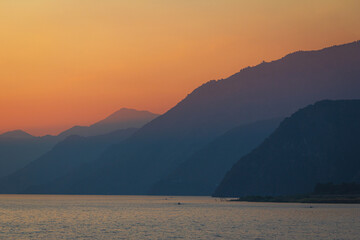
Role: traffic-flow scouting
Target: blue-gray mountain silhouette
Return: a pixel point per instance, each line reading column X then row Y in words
column 317, row 144
column 66, row 156
column 203, row 171
column 18, row 148
column 266, row 91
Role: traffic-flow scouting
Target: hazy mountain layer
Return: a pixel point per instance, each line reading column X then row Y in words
column 18, row 148
column 66, row 156
column 203, row 171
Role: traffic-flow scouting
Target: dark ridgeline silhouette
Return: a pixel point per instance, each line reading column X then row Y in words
column 121, row 119
column 319, row 143
column 202, row 172
column 65, row 157
column 266, row 91
column 18, row 148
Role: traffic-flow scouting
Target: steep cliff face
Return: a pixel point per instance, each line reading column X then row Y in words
column 317, row 144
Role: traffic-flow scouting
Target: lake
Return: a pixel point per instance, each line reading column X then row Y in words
column 160, row 217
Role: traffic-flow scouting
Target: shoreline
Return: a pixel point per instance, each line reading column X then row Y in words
column 326, row 199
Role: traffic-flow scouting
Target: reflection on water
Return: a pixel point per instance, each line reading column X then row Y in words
column 145, row 217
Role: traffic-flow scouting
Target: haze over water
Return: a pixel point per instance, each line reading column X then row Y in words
column 159, row 217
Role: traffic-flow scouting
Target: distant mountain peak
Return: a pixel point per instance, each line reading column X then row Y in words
column 126, row 114
column 18, row 134
column 121, row 119
column 126, row 110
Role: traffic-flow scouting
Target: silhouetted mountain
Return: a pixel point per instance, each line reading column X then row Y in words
column 122, row 119
column 266, row 91
column 317, row 144
column 203, row 171
column 18, row 148
column 66, row 156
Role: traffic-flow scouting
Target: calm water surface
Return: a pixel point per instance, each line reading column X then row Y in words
column 144, row 217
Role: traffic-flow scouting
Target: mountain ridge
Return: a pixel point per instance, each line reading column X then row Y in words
column 316, row 144
column 120, row 119
column 18, row 148
column 64, row 157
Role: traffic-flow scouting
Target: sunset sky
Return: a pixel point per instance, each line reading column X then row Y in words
column 73, row 62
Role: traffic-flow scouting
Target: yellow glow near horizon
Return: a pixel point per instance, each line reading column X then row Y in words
column 72, row 62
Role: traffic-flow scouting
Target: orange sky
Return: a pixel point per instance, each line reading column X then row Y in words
column 67, row 62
